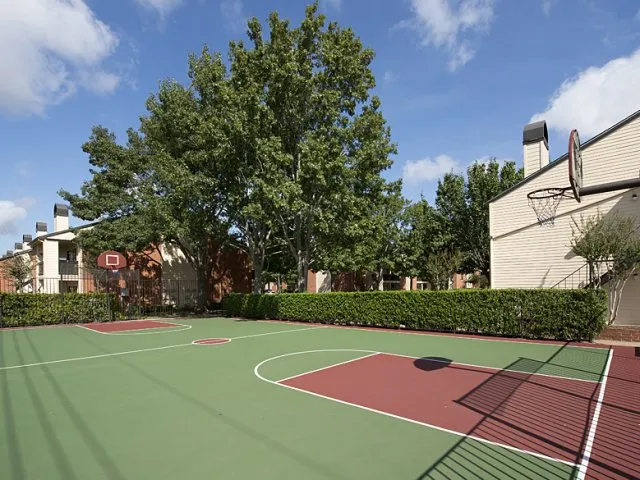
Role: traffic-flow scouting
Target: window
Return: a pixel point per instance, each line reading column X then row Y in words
column 391, row 285
column 72, row 289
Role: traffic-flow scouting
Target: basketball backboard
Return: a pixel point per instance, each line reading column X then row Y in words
column 575, row 164
column 111, row 260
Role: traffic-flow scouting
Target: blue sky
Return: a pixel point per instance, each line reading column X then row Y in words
column 458, row 79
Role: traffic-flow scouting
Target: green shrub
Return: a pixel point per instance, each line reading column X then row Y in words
column 552, row 314
column 25, row 309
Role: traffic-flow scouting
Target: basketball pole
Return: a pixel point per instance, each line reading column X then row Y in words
column 610, row 187
column 108, row 298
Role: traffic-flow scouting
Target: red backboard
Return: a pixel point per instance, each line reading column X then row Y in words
column 111, row 260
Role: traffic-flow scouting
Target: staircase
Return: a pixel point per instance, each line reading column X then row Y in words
column 584, row 277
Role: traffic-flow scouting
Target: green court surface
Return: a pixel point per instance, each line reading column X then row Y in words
column 136, row 404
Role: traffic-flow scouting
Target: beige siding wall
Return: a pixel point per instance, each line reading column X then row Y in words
column 536, row 156
column 629, row 311
column 525, row 255
column 60, row 223
column 50, row 258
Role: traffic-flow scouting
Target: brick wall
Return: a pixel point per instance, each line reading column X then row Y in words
column 624, row 334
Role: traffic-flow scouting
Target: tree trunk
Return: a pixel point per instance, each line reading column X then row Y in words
column 202, row 280
column 257, row 259
column 616, row 287
column 302, row 271
column 302, row 263
column 380, row 279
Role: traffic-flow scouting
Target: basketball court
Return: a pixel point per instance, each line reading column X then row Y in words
column 229, row 398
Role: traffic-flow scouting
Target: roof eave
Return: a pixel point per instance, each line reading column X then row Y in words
column 557, row 161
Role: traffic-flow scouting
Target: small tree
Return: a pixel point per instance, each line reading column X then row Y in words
column 611, row 246
column 19, row 270
column 440, row 268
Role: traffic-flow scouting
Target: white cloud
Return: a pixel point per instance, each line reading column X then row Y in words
column 11, row 212
column 233, row 13
column 100, row 82
column 163, row 7
column 448, row 24
column 46, row 46
column 389, row 77
column 485, row 160
column 429, row 170
column 596, row 98
column 334, row 4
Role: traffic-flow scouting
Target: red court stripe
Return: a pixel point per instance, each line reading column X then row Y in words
column 128, row 325
column 616, row 447
column 546, row 415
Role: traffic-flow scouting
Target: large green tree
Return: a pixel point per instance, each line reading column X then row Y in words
column 374, row 243
column 164, row 185
column 426, row 249
column 282, row 146
column 327, row 141
column 465, row 206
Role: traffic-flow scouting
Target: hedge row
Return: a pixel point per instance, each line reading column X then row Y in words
column 550, row 314
column 24, row 309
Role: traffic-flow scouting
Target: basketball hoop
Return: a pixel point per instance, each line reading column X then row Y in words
column 111, row 260
column 545, row 203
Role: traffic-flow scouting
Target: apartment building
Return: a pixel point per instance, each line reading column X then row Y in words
column 58, row 265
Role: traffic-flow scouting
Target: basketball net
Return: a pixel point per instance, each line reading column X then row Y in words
column 545, row 203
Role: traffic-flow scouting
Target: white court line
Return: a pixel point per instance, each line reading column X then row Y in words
column 327, row 367
column 435, row 360
column 586, row 455
column 275, row 333
column 497, row 369
column 457, row 336
column 226, row 340
column 78, row 359
column 155, row 331
column 256, row 372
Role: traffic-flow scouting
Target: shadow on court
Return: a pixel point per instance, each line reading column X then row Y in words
column 89, row 438
column 16, row 462
column 60, row 458
column 277, row 447
column 511, row 404
column 429, row 364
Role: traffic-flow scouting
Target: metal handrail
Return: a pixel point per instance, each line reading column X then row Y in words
column 572, row 275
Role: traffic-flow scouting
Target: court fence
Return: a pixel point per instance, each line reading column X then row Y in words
column 134, row 297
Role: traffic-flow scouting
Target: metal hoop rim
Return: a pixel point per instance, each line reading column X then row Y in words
column 553, row 192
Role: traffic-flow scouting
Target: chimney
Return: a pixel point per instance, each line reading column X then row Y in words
column 60, row 217
column 535, row 140
column 17, row 247
column 26, row 239
column 41, row 228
